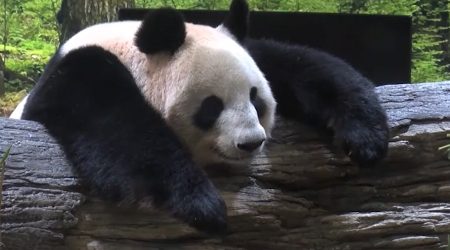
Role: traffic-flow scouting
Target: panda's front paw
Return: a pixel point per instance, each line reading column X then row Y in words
column 365, row 145
column 201, row 207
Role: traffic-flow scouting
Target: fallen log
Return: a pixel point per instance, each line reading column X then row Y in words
column 298, row 194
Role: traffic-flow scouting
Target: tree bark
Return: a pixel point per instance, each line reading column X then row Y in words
column 75, row 15
column 298, row 194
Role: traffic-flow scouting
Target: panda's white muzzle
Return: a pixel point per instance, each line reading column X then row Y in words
column 241, row 136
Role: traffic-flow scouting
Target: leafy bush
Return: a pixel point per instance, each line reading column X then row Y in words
column 29, row 37
column 29, row 58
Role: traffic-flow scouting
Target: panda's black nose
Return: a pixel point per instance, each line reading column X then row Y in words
column 250, row 146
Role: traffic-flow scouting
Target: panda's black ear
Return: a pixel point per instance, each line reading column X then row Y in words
column 236, row 22
column 162, row 30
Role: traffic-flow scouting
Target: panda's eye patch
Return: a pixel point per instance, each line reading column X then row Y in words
column 257, row 102
column 209, row 111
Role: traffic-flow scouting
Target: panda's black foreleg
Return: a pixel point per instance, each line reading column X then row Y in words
column 120, row 146
column 321, row 89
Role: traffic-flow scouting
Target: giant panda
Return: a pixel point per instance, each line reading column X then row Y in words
column 140, row 108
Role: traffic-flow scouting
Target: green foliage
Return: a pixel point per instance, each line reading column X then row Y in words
column 428, row 51
column 3, row 159
column 386, row 7
column 389, row 7
column 184, row 4
column 426, row 65
column 299, row 5
column 281, row 5
column 31, row 20
column 29, row 31
column 29, row 60
column 29, row 36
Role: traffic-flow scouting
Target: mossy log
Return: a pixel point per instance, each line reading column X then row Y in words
column 299, row 194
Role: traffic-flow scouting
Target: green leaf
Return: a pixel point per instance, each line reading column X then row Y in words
column 4, row 157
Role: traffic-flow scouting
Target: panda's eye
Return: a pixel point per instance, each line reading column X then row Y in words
column 257, row 102
column 209, row 111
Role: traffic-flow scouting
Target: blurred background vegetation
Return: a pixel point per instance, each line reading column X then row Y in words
column 30, row 32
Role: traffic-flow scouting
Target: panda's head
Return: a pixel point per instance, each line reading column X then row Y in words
column 208, row 87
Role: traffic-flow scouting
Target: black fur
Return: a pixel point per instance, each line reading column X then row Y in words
column 321, row 89
column 208, row 112
column 253, row 93
column 236, row 21
column 162, row 30
column 257, row 102
column 120, row 146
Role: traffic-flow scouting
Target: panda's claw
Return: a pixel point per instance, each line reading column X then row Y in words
column 207, row 213
column 201, row 207
column 365, row 146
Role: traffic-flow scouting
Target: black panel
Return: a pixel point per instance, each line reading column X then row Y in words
column 377, row 45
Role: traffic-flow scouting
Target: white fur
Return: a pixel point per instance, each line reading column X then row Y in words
column 210, row 62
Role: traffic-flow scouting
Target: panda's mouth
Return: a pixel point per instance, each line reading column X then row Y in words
column 229, row 158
